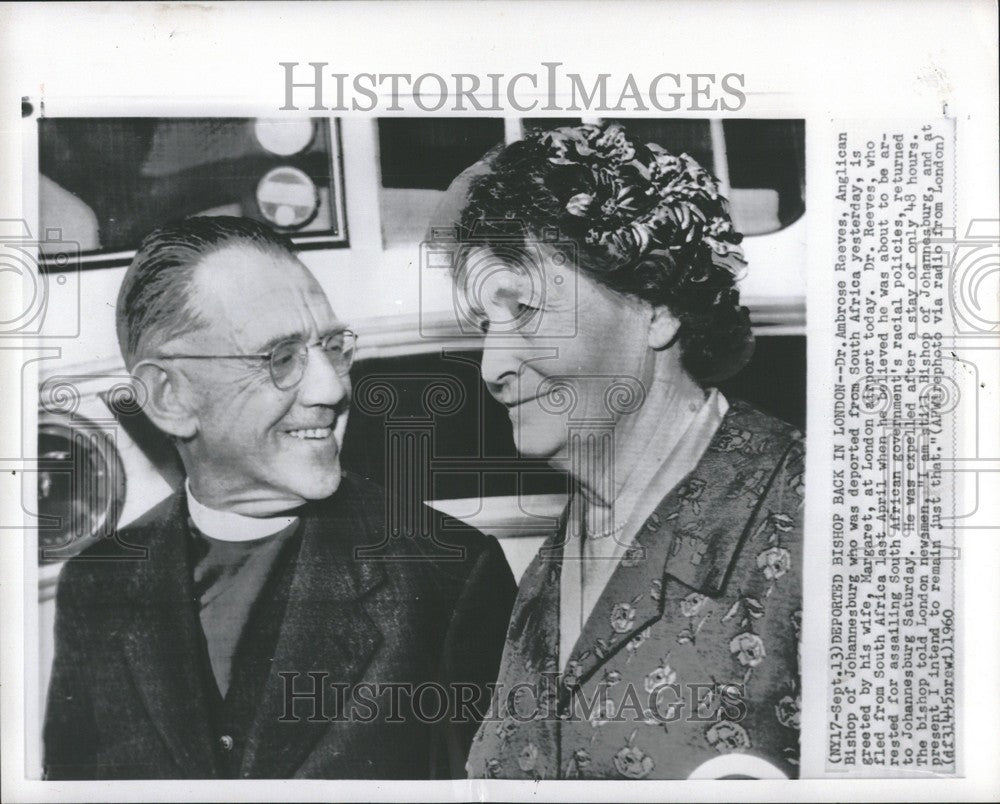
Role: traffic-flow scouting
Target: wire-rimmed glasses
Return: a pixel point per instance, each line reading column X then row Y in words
column 288, row 359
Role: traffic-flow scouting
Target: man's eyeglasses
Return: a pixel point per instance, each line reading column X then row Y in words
column 287, row 361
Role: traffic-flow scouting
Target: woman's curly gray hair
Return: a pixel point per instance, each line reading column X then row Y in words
column 645, row 222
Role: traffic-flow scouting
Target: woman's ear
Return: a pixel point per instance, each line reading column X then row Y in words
column 165, row 399
column 663, row 326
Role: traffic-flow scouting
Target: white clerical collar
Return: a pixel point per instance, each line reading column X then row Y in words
column 229, row 527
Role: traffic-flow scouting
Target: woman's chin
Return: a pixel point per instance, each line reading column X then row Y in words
column 538, row 433
column 531, row 445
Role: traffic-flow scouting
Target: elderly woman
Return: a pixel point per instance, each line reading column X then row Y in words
column 656, row 633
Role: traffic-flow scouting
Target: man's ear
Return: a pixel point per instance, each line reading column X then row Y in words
column 663, row 326
column 166, row 398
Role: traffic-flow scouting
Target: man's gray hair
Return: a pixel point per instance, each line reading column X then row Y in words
column 155, row 302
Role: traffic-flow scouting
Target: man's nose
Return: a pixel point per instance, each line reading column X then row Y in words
column 321, row 383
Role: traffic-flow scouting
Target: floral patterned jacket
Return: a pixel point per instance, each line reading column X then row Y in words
column 692, row 650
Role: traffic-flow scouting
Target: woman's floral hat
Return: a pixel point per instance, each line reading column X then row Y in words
column 636, row 199
column 647, row 223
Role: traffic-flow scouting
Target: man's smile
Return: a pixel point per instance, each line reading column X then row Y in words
column 314, row 433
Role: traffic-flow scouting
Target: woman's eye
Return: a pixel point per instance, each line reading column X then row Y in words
column 525, row 312
column 479, row 319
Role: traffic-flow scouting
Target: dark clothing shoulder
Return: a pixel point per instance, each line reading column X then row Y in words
column 131, row 692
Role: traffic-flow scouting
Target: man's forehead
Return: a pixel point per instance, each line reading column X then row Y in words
column 233, row 269
column 245, row 290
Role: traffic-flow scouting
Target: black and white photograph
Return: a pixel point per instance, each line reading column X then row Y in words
column 586, row 401
column 438, row 428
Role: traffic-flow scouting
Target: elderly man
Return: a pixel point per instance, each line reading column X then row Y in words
column 252, row 640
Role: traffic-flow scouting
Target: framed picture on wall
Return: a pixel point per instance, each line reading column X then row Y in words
column 104, row 183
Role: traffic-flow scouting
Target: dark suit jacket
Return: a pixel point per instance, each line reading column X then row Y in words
column 129, row 696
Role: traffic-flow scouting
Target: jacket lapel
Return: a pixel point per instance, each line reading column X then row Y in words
column 630, row 603
column 533, row 635
column 162, row 644
column 693, row 536
column 530, row 662
column 325, row 629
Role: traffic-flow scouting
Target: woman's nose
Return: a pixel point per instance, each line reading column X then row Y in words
column 499, row 370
